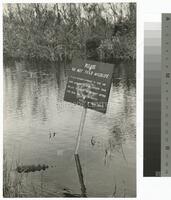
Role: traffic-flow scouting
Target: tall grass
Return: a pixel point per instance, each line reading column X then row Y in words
column 12, row 182
column 20, row 184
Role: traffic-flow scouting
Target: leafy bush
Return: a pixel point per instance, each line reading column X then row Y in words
column 62, row 31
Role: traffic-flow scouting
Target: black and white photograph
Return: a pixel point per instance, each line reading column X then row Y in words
column 69, row 99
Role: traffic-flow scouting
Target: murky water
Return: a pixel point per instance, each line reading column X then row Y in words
column 34, row 109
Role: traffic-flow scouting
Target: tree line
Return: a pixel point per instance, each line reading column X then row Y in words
column 63, row 31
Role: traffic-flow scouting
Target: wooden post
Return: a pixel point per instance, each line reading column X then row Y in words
column 80, row 175
column 80, row 130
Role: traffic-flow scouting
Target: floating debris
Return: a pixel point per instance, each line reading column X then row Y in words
column 54, row 134
column 31, row 168
column 106, row 152
column 68, row 193
column 71, row 195
column 93, row 142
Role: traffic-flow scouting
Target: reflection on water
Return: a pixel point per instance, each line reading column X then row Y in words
column 40, row 128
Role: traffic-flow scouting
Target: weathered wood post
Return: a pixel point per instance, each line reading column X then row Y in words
column 80, row 175
column 80, row 130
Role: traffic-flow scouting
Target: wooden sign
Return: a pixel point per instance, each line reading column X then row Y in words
column 89, row 83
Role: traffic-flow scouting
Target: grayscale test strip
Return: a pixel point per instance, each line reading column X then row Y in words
column 152, row 99
column 166, row 96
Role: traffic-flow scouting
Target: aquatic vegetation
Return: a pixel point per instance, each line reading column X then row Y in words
column 12, row 182
column 115, row 143
column 15, row 183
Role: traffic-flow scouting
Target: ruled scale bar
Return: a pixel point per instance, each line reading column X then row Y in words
column 166, row 96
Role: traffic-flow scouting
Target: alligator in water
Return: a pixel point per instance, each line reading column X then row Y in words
column 31, row 168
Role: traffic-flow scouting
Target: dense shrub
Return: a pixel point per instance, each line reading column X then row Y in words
column 62, row 31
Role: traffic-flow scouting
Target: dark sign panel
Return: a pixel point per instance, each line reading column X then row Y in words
column 90, row 82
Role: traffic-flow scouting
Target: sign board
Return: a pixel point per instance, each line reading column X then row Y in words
column 90, row 82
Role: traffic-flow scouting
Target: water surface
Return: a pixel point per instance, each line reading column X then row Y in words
column 34, row 109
